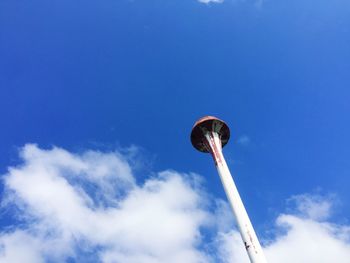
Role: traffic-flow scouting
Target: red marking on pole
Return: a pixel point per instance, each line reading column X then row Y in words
column 214, row 150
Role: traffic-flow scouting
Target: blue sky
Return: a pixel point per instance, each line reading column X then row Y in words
column 133, row 76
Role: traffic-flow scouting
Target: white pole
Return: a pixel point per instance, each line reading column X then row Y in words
column 248, row 235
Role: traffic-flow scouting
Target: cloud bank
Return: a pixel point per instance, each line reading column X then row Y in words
column 89, row 207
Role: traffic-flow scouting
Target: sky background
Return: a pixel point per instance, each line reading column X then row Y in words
column 131, row 77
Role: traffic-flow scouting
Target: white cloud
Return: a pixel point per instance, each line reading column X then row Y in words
column 210, row 1
column 60, row 195
column 19, row 247
column 230, row 248
column 90, row 207
column 313, row 206
column 309, row 241
column 302, row 237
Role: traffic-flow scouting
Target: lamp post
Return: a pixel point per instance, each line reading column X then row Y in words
column 210, row 135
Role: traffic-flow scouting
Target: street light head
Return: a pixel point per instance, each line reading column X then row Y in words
column 208, row 124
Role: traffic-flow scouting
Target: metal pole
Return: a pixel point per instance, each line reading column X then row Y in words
column 248, row 235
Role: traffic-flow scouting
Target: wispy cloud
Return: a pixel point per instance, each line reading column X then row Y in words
column 210, row 1
column 244, row 140
column 89, row 207
column 257, row 3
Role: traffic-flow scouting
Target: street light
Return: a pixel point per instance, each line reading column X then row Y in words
column 210, row 135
